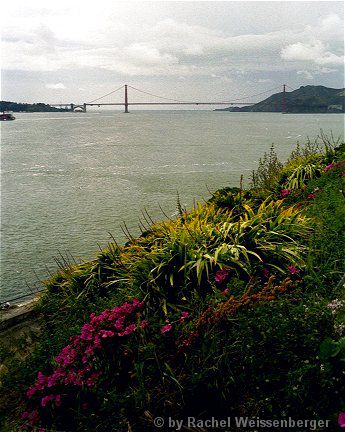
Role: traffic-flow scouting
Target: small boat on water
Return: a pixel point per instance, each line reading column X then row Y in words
column 6, row 116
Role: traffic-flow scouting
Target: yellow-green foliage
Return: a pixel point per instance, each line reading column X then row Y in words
column 178, row 258
column 301, row 175
column 184, row 253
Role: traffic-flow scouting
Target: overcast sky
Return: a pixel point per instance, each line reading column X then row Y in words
column 75, row 51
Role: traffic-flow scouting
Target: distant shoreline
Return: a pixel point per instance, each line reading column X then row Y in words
column 25, row 107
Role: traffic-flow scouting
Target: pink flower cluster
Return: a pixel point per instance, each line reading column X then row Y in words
column 222, row 276
column 329, row 167
column 333, row 165
column 341, row 419
column 285, row 192
column 293, row 270
column 77, row 361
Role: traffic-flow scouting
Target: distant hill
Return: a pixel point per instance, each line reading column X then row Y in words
column 306, row 99
column 24, row 107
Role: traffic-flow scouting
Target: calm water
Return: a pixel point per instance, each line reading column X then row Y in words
column 70, row 179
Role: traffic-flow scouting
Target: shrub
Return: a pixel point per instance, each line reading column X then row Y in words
column 268, row 171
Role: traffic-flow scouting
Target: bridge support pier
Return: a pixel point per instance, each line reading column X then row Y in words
column 78, row 108
column 126, row 100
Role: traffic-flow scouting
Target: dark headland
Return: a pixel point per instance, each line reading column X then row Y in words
column 306, row 99
column 25, row 107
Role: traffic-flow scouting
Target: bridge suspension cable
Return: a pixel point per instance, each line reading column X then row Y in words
column 251, row 96
column 160, row 97
column 183, row 101
column 171, row 101
column 114, row 91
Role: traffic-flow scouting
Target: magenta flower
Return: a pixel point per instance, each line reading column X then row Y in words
column 329, row 167
column 184, row 315
column 106, row 333
column 32, row 417
column 285, row 192
column 47, row 399
column 144, row 324
column 225, row 292
column 31, row 391
column 341, row 419
column 75, row 362
column 293, row 269
column 166, row 328
column 222, row 276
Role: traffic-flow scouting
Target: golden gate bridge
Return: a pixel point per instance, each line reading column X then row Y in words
column 81, row 107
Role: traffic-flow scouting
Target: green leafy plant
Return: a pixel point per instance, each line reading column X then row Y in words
column 301, row 175
column 267, row 173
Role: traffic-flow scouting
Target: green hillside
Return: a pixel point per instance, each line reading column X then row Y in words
column 24, row 107
column 306, row 99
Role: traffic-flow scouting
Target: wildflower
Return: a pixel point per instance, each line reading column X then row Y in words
column 89, row 350
column 74, row 365
column 144, row 324
column 41, row 378
column 285, row 192
column 335, row 304
column 87, row 332
column 293, row 269
column 166, row 328
column 329, row 167
column 222, row 275
column 128, row 330
column 225, row 292
column 341, row 419
column 106, row 333
column 311, row 196
column 31, row 391
column 47, row 399
column 184, row 315
column 339, row 328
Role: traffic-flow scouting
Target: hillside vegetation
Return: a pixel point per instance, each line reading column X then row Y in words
column 24, row 107
column 234, row 308
column 306, row 99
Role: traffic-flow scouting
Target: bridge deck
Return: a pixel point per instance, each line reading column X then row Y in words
column 158, row 103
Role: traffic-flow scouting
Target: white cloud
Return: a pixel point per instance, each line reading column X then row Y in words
column 311, row 52
column 306, row 74
column 332, row 27
column 56, row 86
